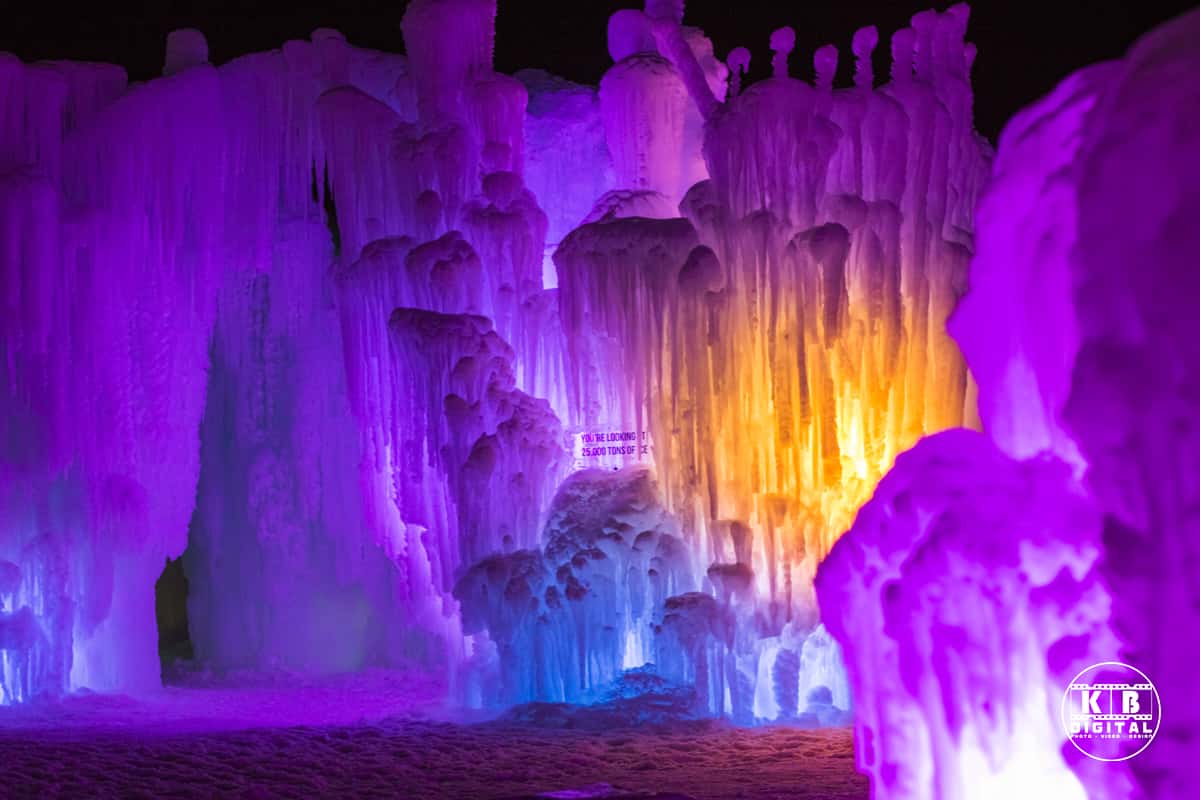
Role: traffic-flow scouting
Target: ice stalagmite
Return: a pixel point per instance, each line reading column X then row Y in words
column 999, row 566
column 568, row 614
column 614, row 282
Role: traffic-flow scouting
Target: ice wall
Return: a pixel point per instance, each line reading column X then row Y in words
column 568, row 165
column 784, row 340
column 280, row 574
column 1132, row 407
column 374, row 452
column 167, row 255
column 1008, row 563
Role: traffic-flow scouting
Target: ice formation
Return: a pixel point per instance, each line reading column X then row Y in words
column 784, row 340
column 290, row 318
column 989, row 569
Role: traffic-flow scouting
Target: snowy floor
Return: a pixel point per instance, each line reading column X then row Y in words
column 371, row 739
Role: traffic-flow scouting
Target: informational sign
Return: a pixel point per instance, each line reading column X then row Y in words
column 611, row 448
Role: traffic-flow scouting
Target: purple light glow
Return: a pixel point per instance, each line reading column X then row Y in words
column 910, row 437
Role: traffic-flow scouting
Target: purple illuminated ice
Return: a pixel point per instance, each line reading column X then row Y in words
column 987, row 571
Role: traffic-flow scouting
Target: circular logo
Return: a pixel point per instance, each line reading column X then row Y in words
column 1111, row 711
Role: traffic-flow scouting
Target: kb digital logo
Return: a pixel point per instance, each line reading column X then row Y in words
column 1111, row 711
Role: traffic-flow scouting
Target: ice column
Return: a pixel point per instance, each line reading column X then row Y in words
column 112, row 273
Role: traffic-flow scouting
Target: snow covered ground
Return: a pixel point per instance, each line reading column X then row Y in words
column 385, row 736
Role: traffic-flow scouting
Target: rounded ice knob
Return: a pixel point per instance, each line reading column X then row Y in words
column 629, row 33
column 783, row 41
column 739, row 64
column 865, row 41
column 825, row 62
column 186, row 47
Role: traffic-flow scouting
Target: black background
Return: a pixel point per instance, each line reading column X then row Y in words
column 1025, row 47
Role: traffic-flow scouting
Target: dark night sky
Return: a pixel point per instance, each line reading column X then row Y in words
column 1025, row 47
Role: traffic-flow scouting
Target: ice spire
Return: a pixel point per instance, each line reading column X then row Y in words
column 865, row 41
column 903, row 42
column 739, row 65
column 674, row 47
column 783, row 41
column 186, row 47
column 825, row 62
column 924, row 24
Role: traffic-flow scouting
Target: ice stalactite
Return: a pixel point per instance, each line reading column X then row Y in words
column 615, row 278
column 456, row 462
column 508, row 228
column 447, row 415
column 1001, row 565
column 472, row 461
